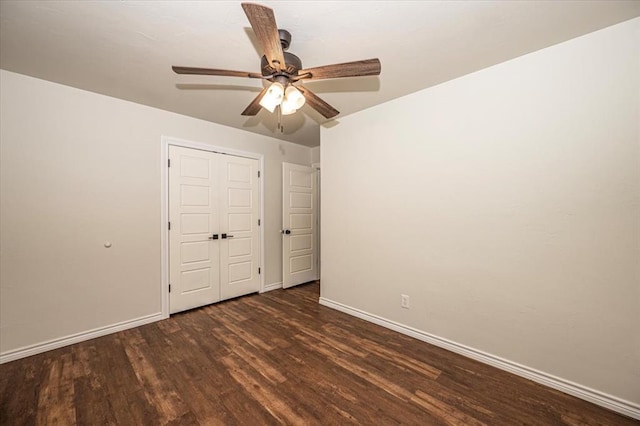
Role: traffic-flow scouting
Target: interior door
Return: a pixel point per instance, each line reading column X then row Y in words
column 299, row 231
column 239, row 227
column 194, row 260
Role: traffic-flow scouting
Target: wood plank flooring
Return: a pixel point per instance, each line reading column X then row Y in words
column 275, row 358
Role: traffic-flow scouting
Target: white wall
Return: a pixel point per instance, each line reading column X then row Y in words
column 79, row 169
column 506, row 204
column 315, row 154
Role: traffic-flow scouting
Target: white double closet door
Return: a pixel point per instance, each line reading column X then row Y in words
column 214, row 238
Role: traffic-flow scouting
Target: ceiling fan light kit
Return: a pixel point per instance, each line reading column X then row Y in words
column 283, row 69
column 283, row 94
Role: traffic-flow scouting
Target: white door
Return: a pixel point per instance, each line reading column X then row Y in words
column 239, row 227
column 214, row 237
column 299, row 232
column 194, row 260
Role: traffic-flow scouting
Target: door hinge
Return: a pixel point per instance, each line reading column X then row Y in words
column 258, row 173
column 169, row 288
column 259, row 271
column 169, row 226
column 258, row 222
column 169, row 162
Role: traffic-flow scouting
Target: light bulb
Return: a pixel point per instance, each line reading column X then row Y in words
column 294, row 97
column 273, row 97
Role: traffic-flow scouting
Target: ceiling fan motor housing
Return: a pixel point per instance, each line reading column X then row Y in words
column 292, row 62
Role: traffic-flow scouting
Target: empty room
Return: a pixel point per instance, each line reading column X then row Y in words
column 319, row 212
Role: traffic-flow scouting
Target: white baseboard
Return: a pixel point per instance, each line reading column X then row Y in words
column 77, row 338
column 272, row 286
column 611, row 402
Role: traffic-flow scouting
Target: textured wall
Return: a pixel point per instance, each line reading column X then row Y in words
column 506, row 204
column 79, row 169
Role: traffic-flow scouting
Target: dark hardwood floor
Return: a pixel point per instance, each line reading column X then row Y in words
column 275, row 358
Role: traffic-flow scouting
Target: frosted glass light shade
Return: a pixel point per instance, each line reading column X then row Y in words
column 294, row 97
column 273, row 97
column 287, row 108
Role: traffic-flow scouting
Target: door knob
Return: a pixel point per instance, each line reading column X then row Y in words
column 214, row 237
column 286, row 231
column 225, row 236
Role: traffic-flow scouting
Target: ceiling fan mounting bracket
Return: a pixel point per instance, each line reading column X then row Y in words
column 285, row 38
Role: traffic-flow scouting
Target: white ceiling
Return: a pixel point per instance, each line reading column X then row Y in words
column 125, row 49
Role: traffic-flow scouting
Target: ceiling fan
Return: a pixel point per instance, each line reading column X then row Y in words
column 284, row 69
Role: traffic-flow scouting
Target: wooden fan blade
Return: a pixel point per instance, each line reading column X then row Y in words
column 318, row 104
column 254, row 106
column 347, row 69
column 213, row 71
column 264, row 25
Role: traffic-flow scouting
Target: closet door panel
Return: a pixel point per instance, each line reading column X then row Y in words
column 239, row 213
column 194, row 258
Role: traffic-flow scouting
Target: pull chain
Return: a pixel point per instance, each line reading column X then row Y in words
column 280, row 126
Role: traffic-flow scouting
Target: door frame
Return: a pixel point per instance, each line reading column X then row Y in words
column 165, row 142
column 318, row 217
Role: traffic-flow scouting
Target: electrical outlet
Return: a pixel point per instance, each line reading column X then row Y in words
column 404, row 301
